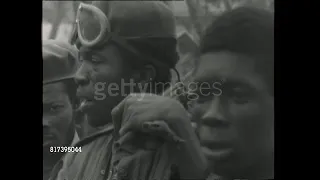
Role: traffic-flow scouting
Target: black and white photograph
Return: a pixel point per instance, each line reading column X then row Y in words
column 158, row 90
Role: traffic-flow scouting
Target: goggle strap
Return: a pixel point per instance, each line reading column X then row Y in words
column 177, row 72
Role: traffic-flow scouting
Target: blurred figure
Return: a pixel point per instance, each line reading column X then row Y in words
column 59, row 95
column 187, row 47
column 124, row 46
column 232, row 102
column 186, row 43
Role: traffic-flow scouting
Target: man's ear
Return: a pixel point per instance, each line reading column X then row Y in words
column 145, row 75
column 149, row 73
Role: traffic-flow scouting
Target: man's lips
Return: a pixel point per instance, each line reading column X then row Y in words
column 216, row 154
column 216, row 150
column 47, row 139
column 215, row 145
column 85, row 100
column 46, row 143
column 85, row 104
column 48, row 136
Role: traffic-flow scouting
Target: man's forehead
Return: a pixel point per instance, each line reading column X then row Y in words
column 107, row 51
column 54, row 91
column 53, row 87
column 85, row 49
column 223, row 63
column 226, row 67
column 99, row 49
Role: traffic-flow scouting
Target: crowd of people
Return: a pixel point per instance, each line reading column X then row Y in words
column 114, row 77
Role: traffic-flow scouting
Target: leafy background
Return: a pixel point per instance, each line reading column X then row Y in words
column 192, row 16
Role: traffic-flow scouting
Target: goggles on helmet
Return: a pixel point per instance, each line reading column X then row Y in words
column 92, row 29
column 92, row 25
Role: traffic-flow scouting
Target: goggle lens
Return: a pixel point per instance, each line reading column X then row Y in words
column 89, row 25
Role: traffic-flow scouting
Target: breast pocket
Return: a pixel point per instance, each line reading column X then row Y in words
column 69, row 169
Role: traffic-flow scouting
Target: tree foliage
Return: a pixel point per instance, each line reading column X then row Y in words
column 204, row 11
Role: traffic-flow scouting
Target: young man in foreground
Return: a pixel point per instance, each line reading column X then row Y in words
column 232, row 102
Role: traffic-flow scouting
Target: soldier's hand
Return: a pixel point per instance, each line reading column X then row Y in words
column 152, row 114
column 164, row 117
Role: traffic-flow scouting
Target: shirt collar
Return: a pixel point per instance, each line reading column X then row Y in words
column 75, row 138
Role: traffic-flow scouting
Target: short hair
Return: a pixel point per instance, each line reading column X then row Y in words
column 245, row 30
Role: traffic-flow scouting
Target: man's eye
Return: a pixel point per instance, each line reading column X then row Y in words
column 204, row 97
column 90, row 57
column 55, row 107
column 95, row 59
column 241, row 97
column 241, row 100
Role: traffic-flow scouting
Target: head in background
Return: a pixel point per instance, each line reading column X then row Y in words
column 59, row 96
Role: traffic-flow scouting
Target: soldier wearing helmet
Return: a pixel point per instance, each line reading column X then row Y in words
column 59, row 67
column 124, row 47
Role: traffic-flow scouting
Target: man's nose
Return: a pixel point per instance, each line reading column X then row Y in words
column 214, row 114
column 81, row 76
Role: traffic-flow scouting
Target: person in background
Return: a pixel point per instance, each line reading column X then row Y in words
column 59, row 97
column 124, row 47
column 232, row 102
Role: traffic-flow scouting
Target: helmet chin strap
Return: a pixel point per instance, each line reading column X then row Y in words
column 177, row 72
column 74, row 34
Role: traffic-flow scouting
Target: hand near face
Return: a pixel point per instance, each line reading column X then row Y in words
column 151, row 114
column 165, row 118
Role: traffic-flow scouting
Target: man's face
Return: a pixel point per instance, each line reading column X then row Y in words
column 57, row 115
column 235, row 114
column 99, row 79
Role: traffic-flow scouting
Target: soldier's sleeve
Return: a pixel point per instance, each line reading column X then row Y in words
column 144, row 158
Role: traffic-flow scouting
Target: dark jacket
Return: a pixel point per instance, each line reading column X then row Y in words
column 91, row 163
column 94, row 161
column 47, row 170
column 141, row 157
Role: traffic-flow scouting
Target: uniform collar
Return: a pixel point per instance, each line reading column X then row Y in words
column 107, row 126
column 75, row 138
